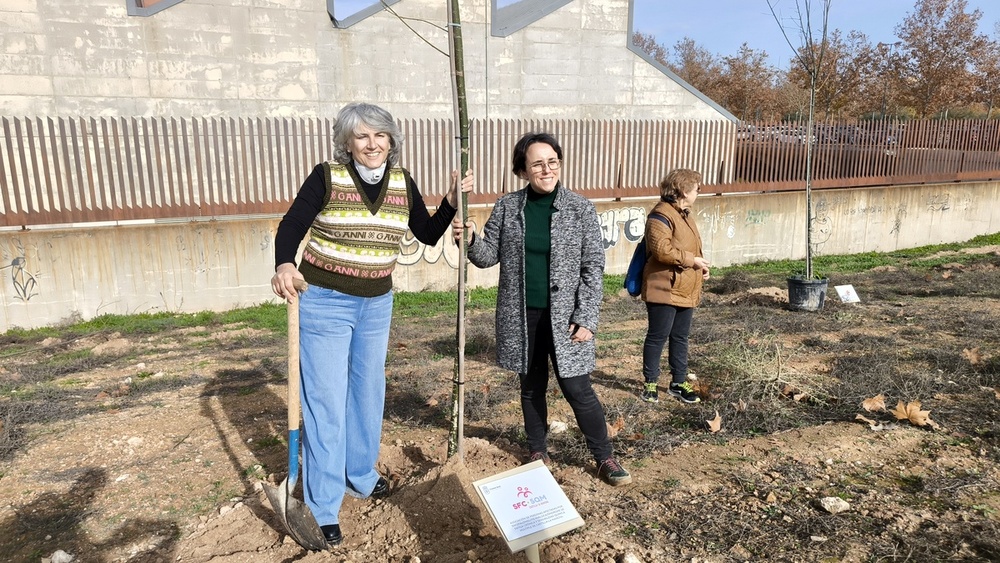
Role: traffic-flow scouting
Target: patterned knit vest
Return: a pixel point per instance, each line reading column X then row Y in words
column 354, row 243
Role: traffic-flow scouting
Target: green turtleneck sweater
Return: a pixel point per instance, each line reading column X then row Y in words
column 538, row 211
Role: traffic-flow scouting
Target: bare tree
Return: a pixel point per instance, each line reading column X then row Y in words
column 791, row 99
column 847, row 64
column 810, row 56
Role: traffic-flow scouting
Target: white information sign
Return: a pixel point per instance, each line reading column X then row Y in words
column 847, row 294
column 528, row 505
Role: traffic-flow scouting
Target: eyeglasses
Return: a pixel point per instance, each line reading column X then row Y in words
column 540, row 166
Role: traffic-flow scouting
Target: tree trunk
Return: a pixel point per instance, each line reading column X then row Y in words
column 455, row 440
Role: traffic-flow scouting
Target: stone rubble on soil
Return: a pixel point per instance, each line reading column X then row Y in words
column 558, row 427
column 59, row 556
column 834, row 505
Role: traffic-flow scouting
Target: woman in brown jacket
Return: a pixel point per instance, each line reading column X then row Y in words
column 671, row 284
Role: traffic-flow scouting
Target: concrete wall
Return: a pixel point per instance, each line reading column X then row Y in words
column 50, row 276
column 284, row 58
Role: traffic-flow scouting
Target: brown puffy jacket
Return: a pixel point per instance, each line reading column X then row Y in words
column 668, row 276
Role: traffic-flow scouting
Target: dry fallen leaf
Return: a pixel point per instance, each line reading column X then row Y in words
column 431, row 403
column 911, row 411
column 946, row 274
column 872, row 425
column 715, row 424
column 973, row 355
column 876, row 403
column 741, row 406
column 614, row 429
column 863, row 418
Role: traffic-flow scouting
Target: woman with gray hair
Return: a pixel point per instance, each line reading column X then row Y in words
column 355, row 210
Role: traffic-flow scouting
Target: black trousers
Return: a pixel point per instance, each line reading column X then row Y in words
column 578, row 390
column 666, row 322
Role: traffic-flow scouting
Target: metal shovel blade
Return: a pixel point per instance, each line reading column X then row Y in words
column 296, row 516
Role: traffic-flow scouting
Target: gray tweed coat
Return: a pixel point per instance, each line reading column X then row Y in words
column 576, row 272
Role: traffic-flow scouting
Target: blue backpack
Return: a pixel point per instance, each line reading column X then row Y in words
column 633, row 276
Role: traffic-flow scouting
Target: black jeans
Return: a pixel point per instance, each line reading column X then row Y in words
column 577, row 389
column 666, row 322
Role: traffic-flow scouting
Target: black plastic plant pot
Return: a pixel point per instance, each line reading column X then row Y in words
column 806, row 295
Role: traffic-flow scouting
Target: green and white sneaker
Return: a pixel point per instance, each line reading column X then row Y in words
column 684, row 392
column 649, row 392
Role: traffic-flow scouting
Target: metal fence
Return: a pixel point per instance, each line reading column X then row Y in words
column 58, row 170
column 772, row 156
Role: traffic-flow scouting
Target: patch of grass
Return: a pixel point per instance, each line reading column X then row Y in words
column 269, row 442
column 272, row 317
column 72, row 382
column 219, row 493
column 856, row 263
column 255, row 471
column 433, row 303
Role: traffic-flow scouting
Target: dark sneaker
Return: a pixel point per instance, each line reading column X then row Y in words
column 381, row 489
column 612, row 473
column 649, row 393
column 544, row 456
column 684, row 392
column 332, row 534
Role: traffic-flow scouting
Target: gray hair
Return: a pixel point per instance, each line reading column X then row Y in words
column 349, row 120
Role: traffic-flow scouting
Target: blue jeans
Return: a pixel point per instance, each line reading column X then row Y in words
column 666, row 322
column 343, row 341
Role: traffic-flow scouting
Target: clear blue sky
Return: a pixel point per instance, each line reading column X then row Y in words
column 721, row 26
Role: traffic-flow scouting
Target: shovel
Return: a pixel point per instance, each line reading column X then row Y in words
column 294, row 514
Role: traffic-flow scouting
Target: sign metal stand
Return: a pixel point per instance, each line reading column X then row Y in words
column 528, row 506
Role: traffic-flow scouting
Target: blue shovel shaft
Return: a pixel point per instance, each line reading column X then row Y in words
column 293, row 458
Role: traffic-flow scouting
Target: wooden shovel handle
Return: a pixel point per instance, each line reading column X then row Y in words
column 294, row 377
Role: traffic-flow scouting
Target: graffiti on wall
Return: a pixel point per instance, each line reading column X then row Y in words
column 716, row 221
column 939, row 202
column 630, row 221
column 15, row 266
column 412, row 250
column 625, row 222
column 757, row 217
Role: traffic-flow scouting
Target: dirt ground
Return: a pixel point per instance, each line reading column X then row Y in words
column 154, row 448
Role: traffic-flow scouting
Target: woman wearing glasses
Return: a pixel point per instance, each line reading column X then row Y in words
column 547, row 240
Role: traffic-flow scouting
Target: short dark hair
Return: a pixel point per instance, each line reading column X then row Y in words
column 519, row 162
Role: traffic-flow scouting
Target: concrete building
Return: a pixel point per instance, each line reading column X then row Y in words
column 524, row 59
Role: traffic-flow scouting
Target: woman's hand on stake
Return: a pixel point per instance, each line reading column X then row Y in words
column 468, row 186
